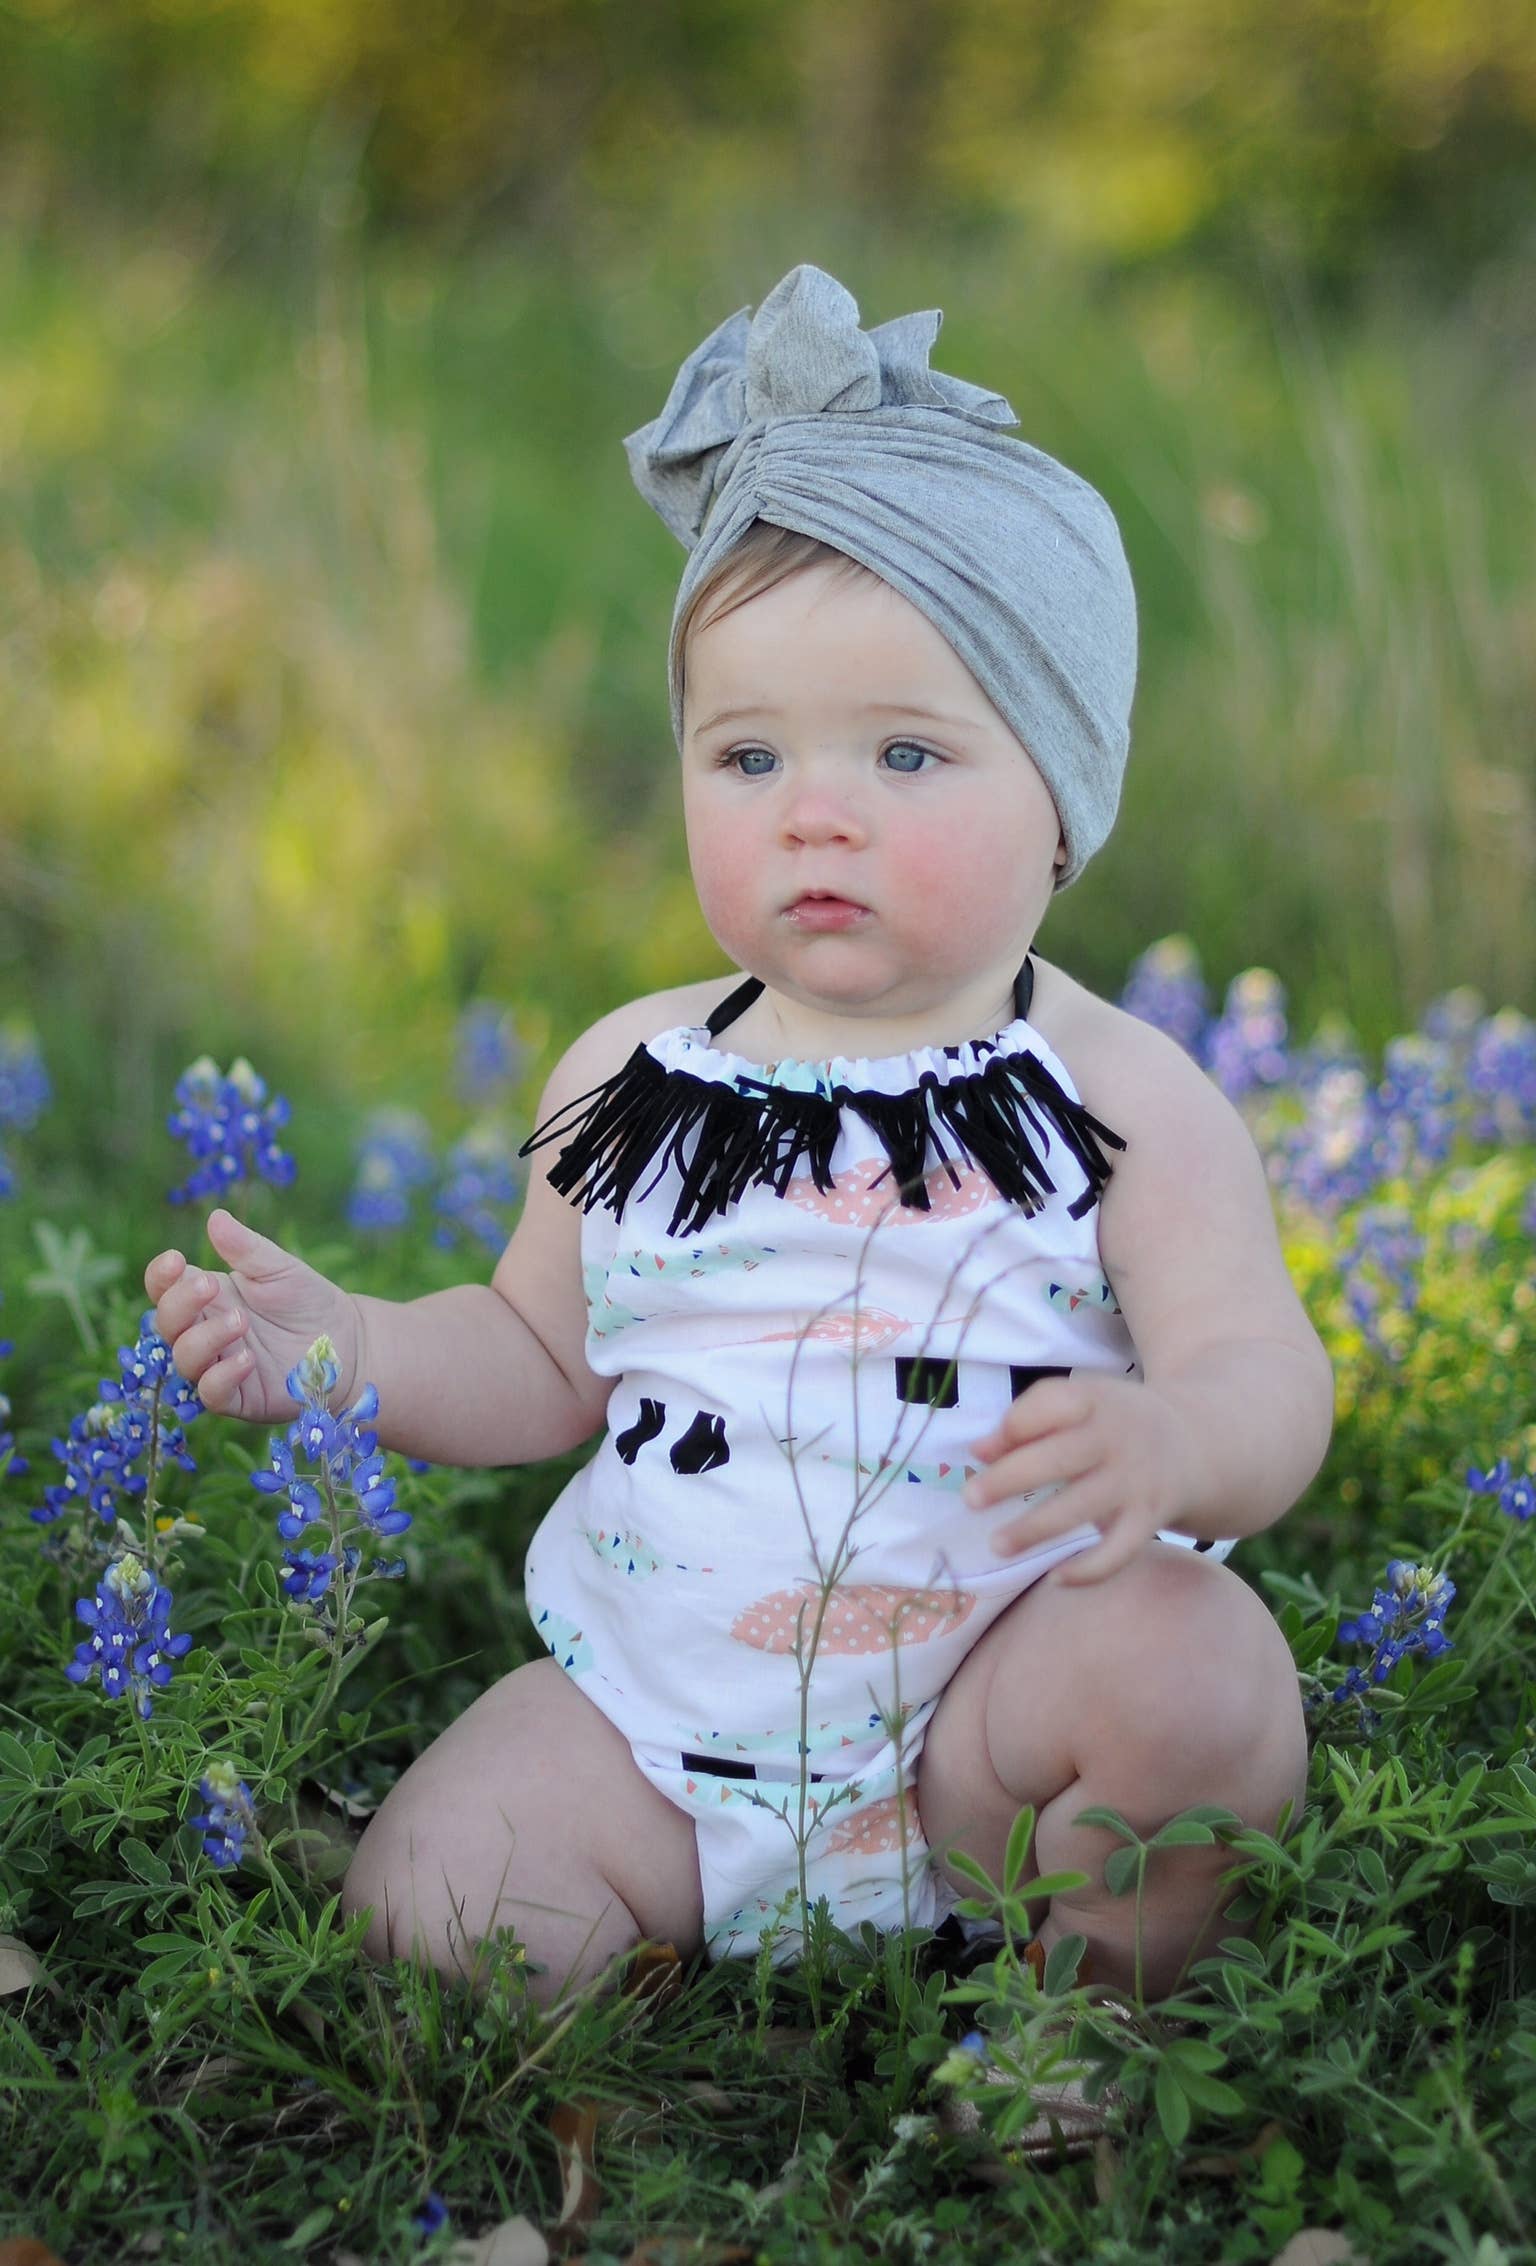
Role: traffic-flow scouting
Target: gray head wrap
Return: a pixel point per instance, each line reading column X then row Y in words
column 797, row 416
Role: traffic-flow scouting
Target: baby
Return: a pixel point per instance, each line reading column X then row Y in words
column 930, row 1308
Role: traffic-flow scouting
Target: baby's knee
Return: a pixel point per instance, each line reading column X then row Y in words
column 1209, row 1696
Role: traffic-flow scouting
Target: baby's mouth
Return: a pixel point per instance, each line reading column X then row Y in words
column 824, row 909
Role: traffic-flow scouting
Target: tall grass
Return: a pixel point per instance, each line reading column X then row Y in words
column 332, row 653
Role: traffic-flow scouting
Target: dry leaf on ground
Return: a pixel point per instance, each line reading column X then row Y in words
column 1318, row 2246
column 20, row 1968
column 574, row 2125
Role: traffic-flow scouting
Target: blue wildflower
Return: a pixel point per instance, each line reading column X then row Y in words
column 130, row 1645
column 1405, row 1617
column 327, row 1466
column 479, row 1188
column 394, row 1159
column 25, row 1091
column 1488, row 1482
column 12, row 1466
column 1501, row 1076
column 229, row 1818
column 137, row 1421
column 229, row 1127
column 1379, row 1264
column 1165, row 988
column 490, row 1053
column 1334, row 1157
column 1518, row 1499
column 432, row 2215
column 1418, row 1104
column 1246, row 1046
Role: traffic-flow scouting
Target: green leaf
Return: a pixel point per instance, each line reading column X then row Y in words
column 1111, row 1820
column 1182, row 1833
column 1373, row 1872
column 14, row 1756
column 1061, row 1964
column 143, row 1863
column 1213, row 2093
column 1121, row 1868
column 1016, row 1856
column 959, row 1861
column 1172, row 2105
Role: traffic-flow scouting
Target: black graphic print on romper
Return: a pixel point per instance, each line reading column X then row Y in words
column 931, row 1384
column 703, row 1446
column 1020, row 1380
column 653, row 1415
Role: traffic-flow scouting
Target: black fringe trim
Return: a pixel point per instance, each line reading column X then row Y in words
column 724, row 1139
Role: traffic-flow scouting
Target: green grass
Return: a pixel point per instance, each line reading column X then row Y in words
column 194, row 2062
column 332, row 694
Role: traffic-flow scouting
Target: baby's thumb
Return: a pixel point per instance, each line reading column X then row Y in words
column 242, row 1249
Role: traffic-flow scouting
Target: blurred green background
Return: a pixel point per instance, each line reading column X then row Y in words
column 332, row 633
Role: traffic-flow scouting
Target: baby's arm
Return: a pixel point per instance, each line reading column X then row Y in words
column 1233, row 1413
column 496, row 1373
column 490, row 1373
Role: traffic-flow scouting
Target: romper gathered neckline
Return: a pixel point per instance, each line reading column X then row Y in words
column 727, row 1125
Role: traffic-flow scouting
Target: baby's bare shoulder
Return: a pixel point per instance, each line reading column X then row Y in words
column 1127, row 1071
column 609, row 1042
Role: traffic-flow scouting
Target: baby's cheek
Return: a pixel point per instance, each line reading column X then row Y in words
column 723, row 871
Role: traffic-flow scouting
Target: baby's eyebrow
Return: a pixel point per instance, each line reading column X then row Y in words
column 866, row 708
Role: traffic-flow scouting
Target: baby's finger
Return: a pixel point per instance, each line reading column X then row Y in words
column 197, row 1350
column 1021, row 1472
column 187, row 1299
column 219, row 1387
column 1065, row 1512
column 162, row 1271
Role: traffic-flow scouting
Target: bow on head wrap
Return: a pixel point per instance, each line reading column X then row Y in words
column 796, row 416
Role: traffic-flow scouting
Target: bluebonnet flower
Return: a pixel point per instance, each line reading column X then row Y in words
column 348, row 1470
column 394, row 1159
column 12, row 1466
column 130, row 1644
column 1418, row 1103
column 479, row 1188
column 490, row 1053
column 1333, row 1157
column 25, row 1091
column 1379, row 1266
column 1407, row 1616
column 136, row 1423
column 229, row 1818
column 1165, row 988
column 1501, row 1076
column 432, row 2215
column 1246, row 1045
column 1517, row 1497
column 230, row 1128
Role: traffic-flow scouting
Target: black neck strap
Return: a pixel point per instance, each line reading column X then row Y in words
column 737, row 1002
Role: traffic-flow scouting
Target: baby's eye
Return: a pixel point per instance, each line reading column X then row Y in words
column 752, row 762
column 907, row 756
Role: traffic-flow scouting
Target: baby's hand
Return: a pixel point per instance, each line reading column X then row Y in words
column 1122, row 1452
column 235, row 1336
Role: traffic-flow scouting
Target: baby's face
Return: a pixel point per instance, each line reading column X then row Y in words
column 866, row 833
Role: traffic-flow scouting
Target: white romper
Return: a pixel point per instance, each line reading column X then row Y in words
column 766, row 1575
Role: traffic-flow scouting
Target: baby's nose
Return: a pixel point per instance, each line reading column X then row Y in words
column 817, row 814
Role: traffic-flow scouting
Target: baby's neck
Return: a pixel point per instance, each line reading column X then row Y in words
column 775, row 1028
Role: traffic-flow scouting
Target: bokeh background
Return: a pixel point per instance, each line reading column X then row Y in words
column 332, row 633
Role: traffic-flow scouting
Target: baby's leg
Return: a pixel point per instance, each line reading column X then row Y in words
column 1167, row 1684
column 529, row 1813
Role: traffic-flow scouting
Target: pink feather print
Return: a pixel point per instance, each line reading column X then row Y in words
column 866, row 1194
column 862, row 1330
column 860, row 1617
column 875, row 1830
